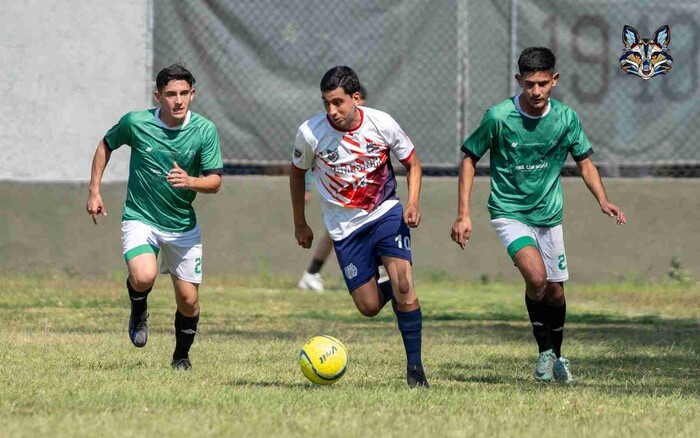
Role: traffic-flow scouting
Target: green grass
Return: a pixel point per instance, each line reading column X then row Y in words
column 67, row 367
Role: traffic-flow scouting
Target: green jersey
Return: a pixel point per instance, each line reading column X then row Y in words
column 154, row 148
column 527, row 156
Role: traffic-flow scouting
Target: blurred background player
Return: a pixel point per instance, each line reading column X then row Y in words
column 530, row 137
column 311, row 278
column 170, row 147
column 348, row 149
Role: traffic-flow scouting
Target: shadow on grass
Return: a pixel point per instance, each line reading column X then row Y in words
column 624, row 375
column 271, row 384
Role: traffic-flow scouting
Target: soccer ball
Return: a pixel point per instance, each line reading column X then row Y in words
column 323, row 359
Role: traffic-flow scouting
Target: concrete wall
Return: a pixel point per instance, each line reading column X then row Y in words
column 70, row 70
column 247, row 229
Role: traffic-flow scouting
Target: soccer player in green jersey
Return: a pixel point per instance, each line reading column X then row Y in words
column 530, row 136
column 175, row 153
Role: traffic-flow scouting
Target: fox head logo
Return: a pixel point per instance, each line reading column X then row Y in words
column 646, row 58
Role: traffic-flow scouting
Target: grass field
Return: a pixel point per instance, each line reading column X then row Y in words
column 67, row 367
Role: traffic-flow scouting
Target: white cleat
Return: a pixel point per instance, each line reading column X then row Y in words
column 312, row 282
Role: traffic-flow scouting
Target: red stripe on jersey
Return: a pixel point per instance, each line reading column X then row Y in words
column 409, row 157
column 351, row 141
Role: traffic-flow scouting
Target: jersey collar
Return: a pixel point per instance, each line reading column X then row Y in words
column 516, row 100
column 172, row 128
column 337, row 128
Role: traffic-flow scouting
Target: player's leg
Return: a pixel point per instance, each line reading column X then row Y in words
column 186, row 320
column 529, row 262
column 408, row 316
column 182, row 259
column 139, row 247
column 551, row 242
column 311, row 279
column 521, row 244
column 393, row 243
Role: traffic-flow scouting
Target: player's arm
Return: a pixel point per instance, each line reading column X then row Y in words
column 297, row 188
column 591, row 177
column 94, row 205
column 414, row 176
column 178, row 178
column 462, row 228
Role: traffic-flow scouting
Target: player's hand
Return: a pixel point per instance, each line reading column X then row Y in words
column 304, row 235
column 461, row 231
column 613, row 210
column 95, row 207
column 178, row 178
column 411, row 216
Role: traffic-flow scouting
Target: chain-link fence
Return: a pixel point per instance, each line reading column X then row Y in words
column 436, row 66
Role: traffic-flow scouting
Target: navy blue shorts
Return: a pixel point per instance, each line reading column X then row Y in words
column 359, row 254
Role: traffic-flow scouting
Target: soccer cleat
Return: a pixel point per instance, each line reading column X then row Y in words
column 544, row 370
column 138, row 327
column 182, row 364
column 311, row 282
column 562, row 373
column 415, row 377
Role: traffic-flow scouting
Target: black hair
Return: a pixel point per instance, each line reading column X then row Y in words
column 341, row 76
column 535, row 59
column 174, row 72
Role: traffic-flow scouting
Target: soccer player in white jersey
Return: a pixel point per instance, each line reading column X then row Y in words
column 348, row 149
column 311, row 278
column 175, row 153
column 530, row 136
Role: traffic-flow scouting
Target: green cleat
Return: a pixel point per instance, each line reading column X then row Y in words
column 562, row 373
column 544, row 371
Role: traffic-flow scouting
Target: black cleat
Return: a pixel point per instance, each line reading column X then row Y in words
column 182, row 364
column 138, row 327
column 415, row 377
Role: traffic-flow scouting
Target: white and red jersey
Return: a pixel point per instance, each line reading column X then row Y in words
column 352, row 169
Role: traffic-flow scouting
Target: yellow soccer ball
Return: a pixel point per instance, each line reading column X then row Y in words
column 323, row 359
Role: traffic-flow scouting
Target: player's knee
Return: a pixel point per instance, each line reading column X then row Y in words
column 404, row 288
column 555, row 295
column 189, row 307
column 142, row 281
column 537, row 289
column 368, row 309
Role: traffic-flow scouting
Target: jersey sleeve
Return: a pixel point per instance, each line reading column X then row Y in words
column 120, row 134
column 579, row 146
column 476, row 145
column 303, row 155
column 399, row 142
column 212, row 163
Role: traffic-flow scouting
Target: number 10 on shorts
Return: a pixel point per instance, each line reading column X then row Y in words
column 403, row 241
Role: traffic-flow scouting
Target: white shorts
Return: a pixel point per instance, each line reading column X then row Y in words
column 549, row 241
column 180, row 253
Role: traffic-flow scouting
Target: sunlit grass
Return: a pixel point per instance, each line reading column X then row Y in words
column 68, row 368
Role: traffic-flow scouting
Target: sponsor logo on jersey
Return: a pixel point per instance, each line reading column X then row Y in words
column 514, row 144
column 149, row 149
column 350, row 271
column 297, row 153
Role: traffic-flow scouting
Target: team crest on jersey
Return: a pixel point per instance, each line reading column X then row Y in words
column 372, row 147
column 350, row 271
column 646, row 58
column 332, row 155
